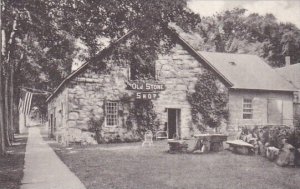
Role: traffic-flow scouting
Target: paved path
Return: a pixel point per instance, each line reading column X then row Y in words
column 43, row 169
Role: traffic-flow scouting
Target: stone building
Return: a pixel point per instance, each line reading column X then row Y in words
column 255, row 91
column 258, row 95
column 292, row 74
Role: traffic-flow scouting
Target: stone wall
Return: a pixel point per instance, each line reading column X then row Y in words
column 88, row 92
column 260, row 107
column 58, row 107
column 178, row 71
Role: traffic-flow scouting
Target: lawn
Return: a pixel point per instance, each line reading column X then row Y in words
column 131, row 166
column 12, row 164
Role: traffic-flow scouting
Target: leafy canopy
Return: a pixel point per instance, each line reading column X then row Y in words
column 48, row 30
column 236, row 32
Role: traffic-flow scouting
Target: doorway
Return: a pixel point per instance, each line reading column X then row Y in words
column 173, row 122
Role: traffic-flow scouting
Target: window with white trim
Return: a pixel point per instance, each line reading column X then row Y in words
column 111, row 112
column 247, row 108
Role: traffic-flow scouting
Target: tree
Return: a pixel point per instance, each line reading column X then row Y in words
column 235, row 32
column 2, row 141
column 25, row 29
column 40, row 38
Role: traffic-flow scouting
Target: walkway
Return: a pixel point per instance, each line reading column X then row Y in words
column 43, row 169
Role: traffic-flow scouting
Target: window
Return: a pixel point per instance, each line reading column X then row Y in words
column 247, row 109
column 111, row 110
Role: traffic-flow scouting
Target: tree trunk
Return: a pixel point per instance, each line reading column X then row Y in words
column 7, row 126
column 7, row 109
column 2, row 141
column 11, row 91
column 2, row 136
column 16, row 79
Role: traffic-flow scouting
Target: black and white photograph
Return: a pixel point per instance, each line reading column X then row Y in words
column 149, row 94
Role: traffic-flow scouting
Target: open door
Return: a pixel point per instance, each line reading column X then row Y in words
column 173, row 123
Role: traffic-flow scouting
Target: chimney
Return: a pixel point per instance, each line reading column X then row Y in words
column 287, row 60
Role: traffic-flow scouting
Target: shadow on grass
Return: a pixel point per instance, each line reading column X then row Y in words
column 12, row 164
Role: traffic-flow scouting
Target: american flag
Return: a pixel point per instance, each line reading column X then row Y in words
column 24, row 105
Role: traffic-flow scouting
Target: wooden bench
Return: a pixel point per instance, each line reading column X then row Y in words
column 240, row 147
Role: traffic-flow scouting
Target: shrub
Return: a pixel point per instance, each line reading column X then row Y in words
column 209, row 102
column 95, row 126
column 144, row 115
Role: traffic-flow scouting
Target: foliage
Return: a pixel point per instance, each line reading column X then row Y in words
column 144, row 115
column 294, row 137
column 95, row 126
column 209, row 102
column 47, row 32
column 82, row 20
column 273, row 135
column 40, row 37
column 34, row 53
column 40, row 51
column 235, row 31
column 147, row 18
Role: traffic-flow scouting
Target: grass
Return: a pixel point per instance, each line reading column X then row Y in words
column 12, row 164
column 121, row 166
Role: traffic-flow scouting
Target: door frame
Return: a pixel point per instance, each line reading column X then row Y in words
column 178, row 122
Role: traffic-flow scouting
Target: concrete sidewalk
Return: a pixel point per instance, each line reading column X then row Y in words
column 43, row 169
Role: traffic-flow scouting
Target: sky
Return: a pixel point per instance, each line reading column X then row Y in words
column 283, row 10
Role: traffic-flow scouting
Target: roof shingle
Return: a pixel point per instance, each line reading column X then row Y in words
column 291, row 73
column 247, row 71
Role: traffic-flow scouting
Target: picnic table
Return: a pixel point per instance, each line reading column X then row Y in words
column 240, row 146
column 214, row 141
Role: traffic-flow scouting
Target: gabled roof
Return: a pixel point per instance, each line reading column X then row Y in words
column 291, row 73
column 107, row 50
column 99, row 56
column 239, row 71
column 247, row 71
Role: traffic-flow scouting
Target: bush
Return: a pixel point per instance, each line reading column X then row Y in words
column 273, row 135
column 144, row 115
column 95, row 126
column 209, row 102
